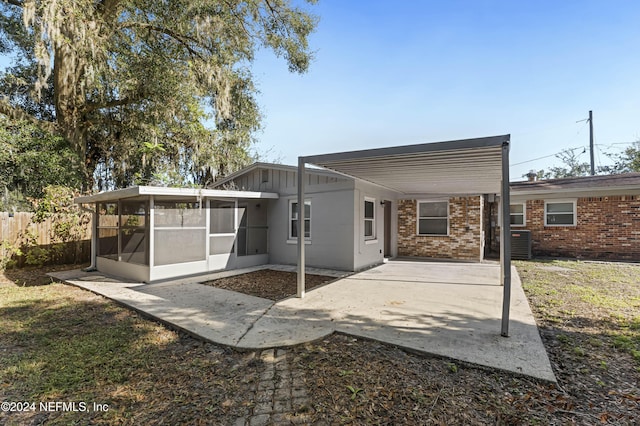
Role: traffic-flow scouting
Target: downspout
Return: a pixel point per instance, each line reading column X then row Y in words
column 94, row 240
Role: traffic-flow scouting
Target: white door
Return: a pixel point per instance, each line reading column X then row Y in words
column 222, row 234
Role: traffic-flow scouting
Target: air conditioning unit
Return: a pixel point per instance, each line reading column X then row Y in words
column 521, row 245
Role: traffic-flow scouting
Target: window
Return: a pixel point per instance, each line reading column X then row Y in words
column 177, row 214
column 369, row 219
column 133, row 232
column 122, row 231
column 108, row 220
column 253, row 230
column 518, row 214
column 293, row 219
column 560, row 213
column 222, row 228
column 222, row 217
column 179, row 224
column 433, row 218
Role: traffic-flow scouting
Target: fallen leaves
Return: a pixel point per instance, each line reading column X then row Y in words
column 268, row 283
column 347, row 380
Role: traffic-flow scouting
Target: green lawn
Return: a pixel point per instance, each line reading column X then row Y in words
column 600, row 299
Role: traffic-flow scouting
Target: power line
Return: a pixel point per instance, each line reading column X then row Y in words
column 547, row 156
column 573, row 149
column 617, row 143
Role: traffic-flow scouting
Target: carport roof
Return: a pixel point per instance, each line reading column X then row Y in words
column 468, row 166
column 461, row 167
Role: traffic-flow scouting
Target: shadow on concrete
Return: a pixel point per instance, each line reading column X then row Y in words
column 455, row 318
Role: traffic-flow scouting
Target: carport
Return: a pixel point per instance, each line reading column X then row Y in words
column 452, row 168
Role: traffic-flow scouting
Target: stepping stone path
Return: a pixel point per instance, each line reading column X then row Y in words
column 280, row 395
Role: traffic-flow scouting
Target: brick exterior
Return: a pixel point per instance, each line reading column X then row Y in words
column 465, row 231
column 607, row 228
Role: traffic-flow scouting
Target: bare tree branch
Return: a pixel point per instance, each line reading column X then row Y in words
column 180, row 38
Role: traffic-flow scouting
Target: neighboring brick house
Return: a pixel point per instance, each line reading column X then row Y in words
column 593, row 217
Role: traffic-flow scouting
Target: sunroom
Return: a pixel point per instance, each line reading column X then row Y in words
column 153, row 233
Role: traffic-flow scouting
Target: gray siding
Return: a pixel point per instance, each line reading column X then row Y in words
column 371, row 252
column 332, row 226
column 337, row 218
column 283, row 181
column 337, row 228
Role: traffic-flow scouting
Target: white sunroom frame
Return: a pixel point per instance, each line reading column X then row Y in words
column 152, row 272
column 460, row 167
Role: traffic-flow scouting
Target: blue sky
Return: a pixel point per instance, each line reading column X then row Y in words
column 402, row 72
column 393, row 73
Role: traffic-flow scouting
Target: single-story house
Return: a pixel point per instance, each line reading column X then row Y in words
column 415, row 205
column 250, row 218
column 436, row 200
column 590, row 217
column 350, row 223
column 425, row 200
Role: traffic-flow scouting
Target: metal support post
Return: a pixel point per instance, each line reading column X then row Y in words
column 301, row 215
column 505, row 241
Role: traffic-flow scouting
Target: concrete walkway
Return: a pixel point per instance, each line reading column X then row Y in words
column 447, row 309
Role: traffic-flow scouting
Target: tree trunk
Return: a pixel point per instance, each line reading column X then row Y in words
column 69, row 98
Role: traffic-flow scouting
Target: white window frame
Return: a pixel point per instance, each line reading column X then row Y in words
column 372, row 220
column 290, row 219
column 523, row 214
column 574, row 212
column 418, row 217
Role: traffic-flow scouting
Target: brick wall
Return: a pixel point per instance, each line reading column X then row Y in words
column 465, row 230
column 607, row 228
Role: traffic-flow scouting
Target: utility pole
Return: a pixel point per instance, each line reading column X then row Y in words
column 593, row 171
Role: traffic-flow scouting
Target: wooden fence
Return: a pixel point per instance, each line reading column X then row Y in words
column 14, row 226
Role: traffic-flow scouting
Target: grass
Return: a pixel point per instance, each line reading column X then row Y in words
column 70, row 342
column 59, row 343
column 600, row 299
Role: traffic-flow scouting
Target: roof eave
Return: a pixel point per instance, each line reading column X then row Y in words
column 485, row 142
column 592, row 190
column 171, row 192
column 272, row 166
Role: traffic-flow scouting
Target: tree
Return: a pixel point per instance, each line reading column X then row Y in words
column 627, row 161
column 31, row 159
column 573, row 166
column 128, row 83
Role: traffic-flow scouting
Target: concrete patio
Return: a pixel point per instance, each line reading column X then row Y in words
column 447, row 309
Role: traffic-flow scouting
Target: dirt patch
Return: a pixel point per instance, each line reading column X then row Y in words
column 33, row 276
column 268, row 283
